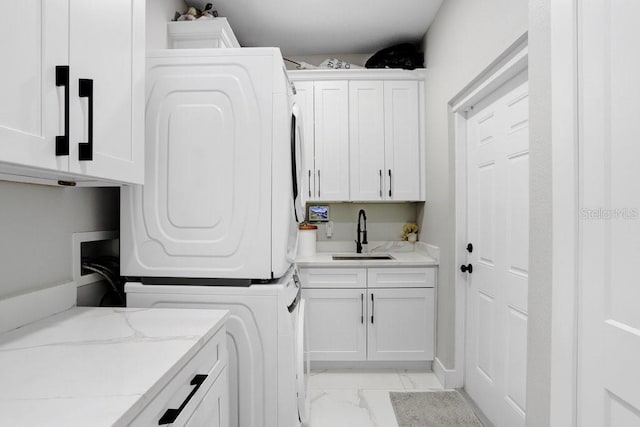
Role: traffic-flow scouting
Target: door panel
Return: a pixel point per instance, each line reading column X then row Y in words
column 331, row 107
column 114, row 60
column 498, row 212
column 400, row 324
column 336, row 323
column 32, row 106
column 304, row 100
column 609, row 323
column 366, row 140
column 402, row 140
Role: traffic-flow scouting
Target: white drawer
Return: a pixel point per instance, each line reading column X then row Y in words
column 209, row 361
column 401, row 277
column 333, row 277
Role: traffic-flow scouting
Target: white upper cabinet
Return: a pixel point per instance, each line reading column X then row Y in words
column 366, row 140
column 304, row 100
column 403, row 154
column 32, row 107
column 106, row 51
column 331, row 145
column 73, row 99
column 364, row 134
column 384, row 131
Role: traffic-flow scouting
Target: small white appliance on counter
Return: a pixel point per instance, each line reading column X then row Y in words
column 268, row 365
column 221, row 182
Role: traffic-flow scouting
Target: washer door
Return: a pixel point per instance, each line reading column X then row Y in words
column 302, row 364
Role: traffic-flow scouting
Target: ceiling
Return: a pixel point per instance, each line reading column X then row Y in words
column 310, row 27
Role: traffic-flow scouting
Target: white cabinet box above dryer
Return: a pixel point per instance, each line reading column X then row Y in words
column 218, row 200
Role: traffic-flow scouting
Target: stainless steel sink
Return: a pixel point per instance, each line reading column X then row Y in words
column 361, row 257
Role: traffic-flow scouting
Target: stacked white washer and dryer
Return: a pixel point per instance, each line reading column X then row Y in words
column 215, row 225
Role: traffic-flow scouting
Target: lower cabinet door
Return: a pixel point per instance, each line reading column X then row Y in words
column 400, row 324
column 336, row 320
column 213, row 409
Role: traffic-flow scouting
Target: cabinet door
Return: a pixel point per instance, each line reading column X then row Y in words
column 366, row 140
column 336, row 322
column 213, row 409
column 402, row 140
column 32, row 110
column 331, row 100
column 106, row 45
column 304, row 100
column 401, row 324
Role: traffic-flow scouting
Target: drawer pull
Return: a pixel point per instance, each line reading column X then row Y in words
column 172, row 414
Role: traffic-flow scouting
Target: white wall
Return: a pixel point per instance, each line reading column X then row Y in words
column 465, row 37
column 159, row 12
column 384, row 220
column 541, row 225
column 36, row 223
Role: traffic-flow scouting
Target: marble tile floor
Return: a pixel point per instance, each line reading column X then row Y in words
column 356, row 398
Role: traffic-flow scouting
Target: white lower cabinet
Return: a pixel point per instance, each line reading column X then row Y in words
column 336, row 324
column 400, row 324
column 358, row 320
column 198, row 395
column 212, row 409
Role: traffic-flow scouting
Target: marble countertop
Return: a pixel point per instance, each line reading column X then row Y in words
column 404, row 256
column 96, row 366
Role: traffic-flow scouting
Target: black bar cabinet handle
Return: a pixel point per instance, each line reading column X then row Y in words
column 171, row 415
column 62, row 79
column 390, row 183
column 85, row 90
column 309, row 182
column 372, row 308
column 380, row 175
column 362, row 308
column 318, row 182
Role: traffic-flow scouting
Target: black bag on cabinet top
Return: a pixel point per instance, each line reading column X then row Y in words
column 403, row 55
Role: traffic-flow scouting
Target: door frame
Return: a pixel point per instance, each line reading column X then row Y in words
column 560, row 334
column 510, row 63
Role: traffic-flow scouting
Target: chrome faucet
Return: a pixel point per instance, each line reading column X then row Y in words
column 361, row 232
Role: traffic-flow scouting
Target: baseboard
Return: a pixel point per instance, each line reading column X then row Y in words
column 448, row 377
column 22, row 309
column 415, row 366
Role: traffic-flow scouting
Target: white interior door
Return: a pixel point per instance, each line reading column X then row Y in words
column 498, row 221
column 609, row 324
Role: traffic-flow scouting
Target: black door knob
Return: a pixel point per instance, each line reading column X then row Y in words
column 469, row 248
column 466, row 268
